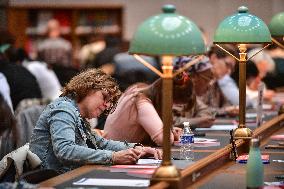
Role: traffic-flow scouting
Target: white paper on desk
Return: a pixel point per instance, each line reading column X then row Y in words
column 251, row 115
column 113, row 182
column 218, row 128
column 148, row 161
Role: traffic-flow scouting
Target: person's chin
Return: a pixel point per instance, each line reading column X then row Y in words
column 97, row 114
column 94, row 115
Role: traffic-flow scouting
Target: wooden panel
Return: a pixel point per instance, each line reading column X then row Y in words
column 17, row 23
column 25, row 23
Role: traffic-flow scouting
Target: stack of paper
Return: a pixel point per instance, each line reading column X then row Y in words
column 244, row 158
column 277, row 137
column 227, row 127
column 113, row 182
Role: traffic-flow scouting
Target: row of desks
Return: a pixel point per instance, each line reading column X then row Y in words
column 222, row 174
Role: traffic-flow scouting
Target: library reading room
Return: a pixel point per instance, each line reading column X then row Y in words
column 158, row 94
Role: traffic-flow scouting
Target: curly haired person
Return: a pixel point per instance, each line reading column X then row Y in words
column 62, row 137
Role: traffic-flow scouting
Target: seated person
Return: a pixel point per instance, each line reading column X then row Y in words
column 62, row 137
column 186, row 107
column 136, row 118
column 266, row 67
column 253, row 81
column 222, row 66
column 206, row 85
column 8, row 130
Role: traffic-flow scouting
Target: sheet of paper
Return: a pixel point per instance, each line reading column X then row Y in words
column 200, row 140
column 113, row 182
column 251, row 115
column 148, row 161
column 143, row 171
column 218, row 128
column 139, row 166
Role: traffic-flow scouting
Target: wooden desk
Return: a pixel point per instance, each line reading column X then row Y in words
column 212, row 164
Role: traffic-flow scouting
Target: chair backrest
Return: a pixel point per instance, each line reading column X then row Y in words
column 26, row 120
column 37, row 176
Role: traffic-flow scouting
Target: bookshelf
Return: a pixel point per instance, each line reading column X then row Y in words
column 78, row 24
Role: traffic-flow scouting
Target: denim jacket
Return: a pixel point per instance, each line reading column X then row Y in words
column 60, row 139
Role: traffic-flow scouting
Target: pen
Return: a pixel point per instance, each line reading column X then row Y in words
column 126, row 143
column 274, row 147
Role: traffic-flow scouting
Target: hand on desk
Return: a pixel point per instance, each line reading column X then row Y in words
column 149, row 152
column 204, row 121
column 177, row 132
column 232, row 110
column 131, row 156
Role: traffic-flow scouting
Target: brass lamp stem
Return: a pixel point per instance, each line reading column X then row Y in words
column 167, row 171
column 167, row 90
column 242, row 85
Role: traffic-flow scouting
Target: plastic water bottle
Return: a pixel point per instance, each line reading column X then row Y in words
column 254, row 175
column 186, row 140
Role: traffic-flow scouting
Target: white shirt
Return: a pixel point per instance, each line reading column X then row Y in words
column 5, row 90
column 229, row 89
column 46, row 78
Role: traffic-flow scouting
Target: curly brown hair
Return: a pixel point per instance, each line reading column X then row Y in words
column 183, row 91
column 92, row 79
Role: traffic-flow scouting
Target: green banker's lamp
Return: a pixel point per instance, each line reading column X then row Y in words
column 167, row 35
column 241, row 29
column 276, row 27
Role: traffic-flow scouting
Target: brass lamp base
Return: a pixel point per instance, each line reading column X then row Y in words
column 168, row 173
column 242, row 133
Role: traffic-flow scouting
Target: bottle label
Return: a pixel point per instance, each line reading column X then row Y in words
column 184, row 139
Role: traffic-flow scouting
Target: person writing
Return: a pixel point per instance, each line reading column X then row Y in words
column 136, row 118
column 187, row 107
column 62, row 137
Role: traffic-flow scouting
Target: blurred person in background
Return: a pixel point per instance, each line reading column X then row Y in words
column 187, row 107
column 8, row 130
column 206, row 86
column 48, row 82
column 23, row 85
column 5, row 90
column 55, row 50
column 275, row 80
column 57, row 53
column 253, row 81
column 223, row 66
column 266, row 67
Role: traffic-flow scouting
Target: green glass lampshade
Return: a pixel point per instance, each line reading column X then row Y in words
column 242, row 28
column 167, row 34
column 276, row 25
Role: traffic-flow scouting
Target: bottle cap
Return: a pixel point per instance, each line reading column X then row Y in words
column 186, row 123
column 254, row 142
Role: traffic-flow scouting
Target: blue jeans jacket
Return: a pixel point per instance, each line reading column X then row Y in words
column 60, row 139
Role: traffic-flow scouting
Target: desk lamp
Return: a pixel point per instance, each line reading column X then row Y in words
column 241, row 29
column 276, row 27
column 167, row 35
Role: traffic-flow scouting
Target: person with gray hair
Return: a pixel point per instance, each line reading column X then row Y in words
column 266, row 66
